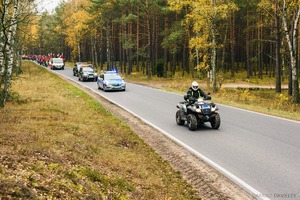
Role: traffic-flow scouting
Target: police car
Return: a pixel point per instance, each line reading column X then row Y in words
column 110, row 81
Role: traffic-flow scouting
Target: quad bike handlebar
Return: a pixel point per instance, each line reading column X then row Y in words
column 193, row 99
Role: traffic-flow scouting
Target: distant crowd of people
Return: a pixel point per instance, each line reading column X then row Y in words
column 43, row 59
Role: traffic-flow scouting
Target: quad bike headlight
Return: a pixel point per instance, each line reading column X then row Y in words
column 197, row 108
column 214, row 108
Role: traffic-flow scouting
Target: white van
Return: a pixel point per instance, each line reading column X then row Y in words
column 56, row 63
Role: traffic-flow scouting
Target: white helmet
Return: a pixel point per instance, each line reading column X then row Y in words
column 195, row 86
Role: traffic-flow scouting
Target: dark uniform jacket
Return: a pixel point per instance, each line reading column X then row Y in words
column 193, row 95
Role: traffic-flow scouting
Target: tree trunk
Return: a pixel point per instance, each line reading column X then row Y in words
column 248, row 65
column 156, row 45
column 130, row 49
column 259, row 46
column 2, row 43
column 95, row 49
column 232, row 43
column 79, row 50
column 277, row 51
column 149, row 40
column 121, row 51
column 214, row 51
column 292, row 44
column 138, row 40
column 101, row 49
column 213, row 61
column 166, row 50
column 224, row 64
column 108, row 46
column 10, row 53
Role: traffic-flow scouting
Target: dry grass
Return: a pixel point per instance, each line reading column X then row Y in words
column 59, row 143
column 263, row 100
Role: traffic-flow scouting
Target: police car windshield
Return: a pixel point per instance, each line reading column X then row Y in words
column 112, row 76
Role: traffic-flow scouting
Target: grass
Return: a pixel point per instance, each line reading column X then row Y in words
column 266, row 101
column 59, row 143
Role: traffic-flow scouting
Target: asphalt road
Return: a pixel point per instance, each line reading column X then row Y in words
column 259, row 152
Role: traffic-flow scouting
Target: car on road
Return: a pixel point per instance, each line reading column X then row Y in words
column 87, row 73
column 110, row 80
column 77, row 67
column 57, row 63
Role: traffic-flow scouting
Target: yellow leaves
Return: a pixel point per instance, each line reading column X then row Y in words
column 266, row 5
column 199, row 42
column 33, row 31
column 282, row 99
column 224, row 10
column 80, row 18
column 246, row 96
column 204, row 16
column 200, row 45
column 30, row 32
column 203, row 64
column 293, row 3
column 75, row 22
column 177, row 5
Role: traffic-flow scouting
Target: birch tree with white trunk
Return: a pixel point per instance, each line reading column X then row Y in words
column 4, row 13
column 205, row 16
column 13, row 14
column 291, row 38
column 8, row 51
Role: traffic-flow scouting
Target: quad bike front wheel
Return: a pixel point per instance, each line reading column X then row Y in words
column 216, row 121
column 179, row 120
column 192, row 122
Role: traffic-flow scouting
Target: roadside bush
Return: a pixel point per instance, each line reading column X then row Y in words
column 245, row 96
column 160, row 68
column 282, row 99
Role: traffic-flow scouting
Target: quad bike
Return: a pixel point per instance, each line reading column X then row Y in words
column 196, row 112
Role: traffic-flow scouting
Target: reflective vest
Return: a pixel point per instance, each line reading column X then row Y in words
column 197, row 92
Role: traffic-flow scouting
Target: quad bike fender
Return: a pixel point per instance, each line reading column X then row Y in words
column 191, row 108
column 182, row 107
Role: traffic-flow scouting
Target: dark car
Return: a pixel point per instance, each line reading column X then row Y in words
column 87, row 73
column 77, row 67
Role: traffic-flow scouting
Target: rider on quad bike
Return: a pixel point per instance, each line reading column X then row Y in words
column 196, row 110
column 195, row 92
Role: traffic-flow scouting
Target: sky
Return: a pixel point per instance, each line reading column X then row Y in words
column 49, row 5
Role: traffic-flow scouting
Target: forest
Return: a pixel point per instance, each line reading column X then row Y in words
column 159, row 37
